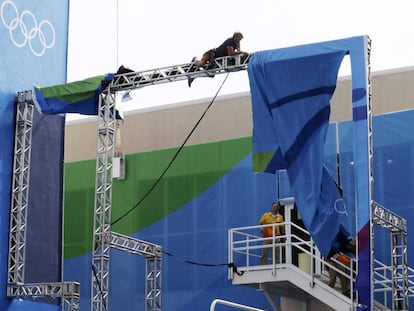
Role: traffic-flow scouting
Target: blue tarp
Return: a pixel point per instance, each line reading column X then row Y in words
column 291, row 91
column 33, row 53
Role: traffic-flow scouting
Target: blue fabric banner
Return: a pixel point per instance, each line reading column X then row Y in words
column 291, row 108
column 291, row 89
column 33, row 41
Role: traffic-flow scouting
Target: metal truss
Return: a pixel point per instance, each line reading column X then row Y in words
column 397, row 226
column 153, row 284
column 16, row 287
column 387, row 219
column 67, row 291
column 153, row 257
column 135, row 80
column 20, row 187
column 370, row 162
column 103, row 203
column 103, row 238
column 135, row 246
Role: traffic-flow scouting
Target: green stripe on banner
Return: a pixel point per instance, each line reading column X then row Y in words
column 75, row 91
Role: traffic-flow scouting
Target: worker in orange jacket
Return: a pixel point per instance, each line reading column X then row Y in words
column 269, row 218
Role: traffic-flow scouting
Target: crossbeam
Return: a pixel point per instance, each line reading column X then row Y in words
column 134, row 80
column 103, row 237
column 397, row 226
column 153, row 262
column 135, row 246
column 387, row 219
column 69, row 292
column 54, row 290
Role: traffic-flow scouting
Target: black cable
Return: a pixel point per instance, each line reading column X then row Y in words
column 230, row 265
column 173, row 158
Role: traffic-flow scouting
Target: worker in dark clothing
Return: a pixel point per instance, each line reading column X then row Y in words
column 343, row 249
column 229, row 47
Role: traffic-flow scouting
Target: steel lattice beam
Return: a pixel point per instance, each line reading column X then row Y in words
column 153, row 284
column 370, row 162
column 16, row 287
column 153, row 256
column 20, row 187
column 135, row 246
column 397, row 226
column 387, row 219
column 103, row 203
column 135, row 80
column 68, row 291
column 103, row 238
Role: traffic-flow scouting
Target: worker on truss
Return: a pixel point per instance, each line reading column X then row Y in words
column 229, row 47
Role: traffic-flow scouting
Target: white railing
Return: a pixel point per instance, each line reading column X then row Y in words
column 295, row 247
column 245, row 252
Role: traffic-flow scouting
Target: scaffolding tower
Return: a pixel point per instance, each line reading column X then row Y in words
column 16, row 286
column 397, row 226
column 103, row 237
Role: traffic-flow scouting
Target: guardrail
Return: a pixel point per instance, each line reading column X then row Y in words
column 297, row 248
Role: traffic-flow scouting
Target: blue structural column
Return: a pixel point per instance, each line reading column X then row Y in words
column 362, row 131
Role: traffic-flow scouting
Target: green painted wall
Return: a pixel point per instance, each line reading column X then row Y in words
column 193, row 171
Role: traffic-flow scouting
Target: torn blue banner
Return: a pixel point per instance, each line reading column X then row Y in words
column 291, row 91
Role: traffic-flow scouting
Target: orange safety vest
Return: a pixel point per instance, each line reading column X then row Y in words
column 268, row 219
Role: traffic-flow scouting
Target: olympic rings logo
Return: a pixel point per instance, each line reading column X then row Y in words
column 25, row 29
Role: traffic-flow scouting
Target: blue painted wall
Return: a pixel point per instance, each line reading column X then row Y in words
column 33, row 45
